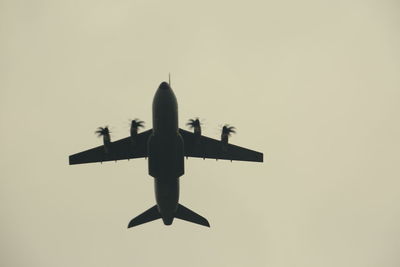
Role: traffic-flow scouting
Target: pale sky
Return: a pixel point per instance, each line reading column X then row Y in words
column 314, row 85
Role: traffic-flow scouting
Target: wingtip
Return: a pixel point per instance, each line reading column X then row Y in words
column 206, row 223
column 70, row 160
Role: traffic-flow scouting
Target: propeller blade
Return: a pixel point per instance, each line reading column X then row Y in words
column 102, row 131
column 136, row 123
column 228, row 130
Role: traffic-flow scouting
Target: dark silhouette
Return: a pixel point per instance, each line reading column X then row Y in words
column 165, row 146
column 195, row 125
column 105, row 132
column 135, row 125
column 227, row 131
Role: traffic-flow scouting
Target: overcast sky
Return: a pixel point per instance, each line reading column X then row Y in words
column 314, row 85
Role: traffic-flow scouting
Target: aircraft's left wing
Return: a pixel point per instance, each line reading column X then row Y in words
column 121, row 149
column 205, row 147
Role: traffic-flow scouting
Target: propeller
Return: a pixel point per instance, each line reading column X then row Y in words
column 105, row 132
column 228, row 130
column 102, row 131
column 193, row 123
column 136, row 124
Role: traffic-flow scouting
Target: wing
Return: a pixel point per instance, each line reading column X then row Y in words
column 205, row 147
column 121, row 149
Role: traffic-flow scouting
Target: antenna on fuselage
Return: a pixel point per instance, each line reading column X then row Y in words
column 169, row 79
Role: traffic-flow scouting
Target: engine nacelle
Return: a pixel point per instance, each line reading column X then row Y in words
column 197, row 130
column 224, row 138
column 107, row 142
column 134, row 133
column 135, row 125
column 226, row 132
column 105, row 133
column 195, row 124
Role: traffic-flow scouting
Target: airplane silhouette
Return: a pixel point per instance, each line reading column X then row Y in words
column 165, row 146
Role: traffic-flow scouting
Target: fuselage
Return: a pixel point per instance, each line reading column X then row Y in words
column 166, row 152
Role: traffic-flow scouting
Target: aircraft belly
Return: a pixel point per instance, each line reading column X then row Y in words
column 166, row 156
column 167, row 195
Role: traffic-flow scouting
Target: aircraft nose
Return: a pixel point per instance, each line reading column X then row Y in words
column 164, row 86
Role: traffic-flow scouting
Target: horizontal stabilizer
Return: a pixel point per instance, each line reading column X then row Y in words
column 186, row 214
column 147, row 216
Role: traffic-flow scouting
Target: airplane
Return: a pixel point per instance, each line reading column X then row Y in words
column 165, row 146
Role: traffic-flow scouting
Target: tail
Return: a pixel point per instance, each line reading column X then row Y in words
column 186, row 214
column 147, row 216
column 182, row 213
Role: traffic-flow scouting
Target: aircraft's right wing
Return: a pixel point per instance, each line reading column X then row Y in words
column 205, row 147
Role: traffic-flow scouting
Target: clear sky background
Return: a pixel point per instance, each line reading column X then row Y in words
column 314, row 85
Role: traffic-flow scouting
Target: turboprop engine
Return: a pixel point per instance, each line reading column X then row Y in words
column 135, row 125
column 195, row 124
column 227, row 131
column 105, row 132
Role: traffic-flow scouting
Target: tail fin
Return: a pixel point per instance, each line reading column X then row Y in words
column 186, row 214
column 147, row 216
